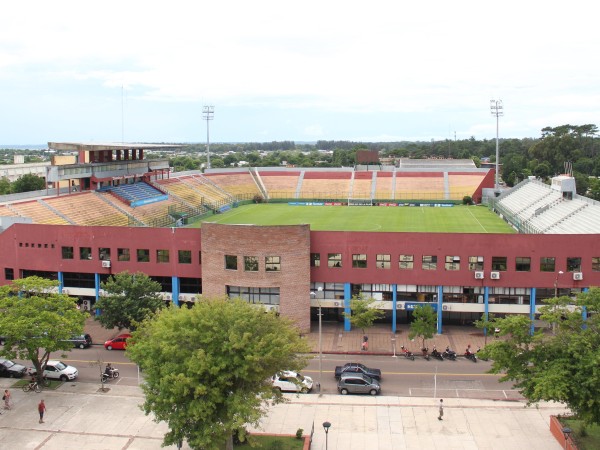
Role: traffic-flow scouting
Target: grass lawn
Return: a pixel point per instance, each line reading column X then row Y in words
column 591, row 440
column 273, row 442
column 23, row 381
column 456, row 219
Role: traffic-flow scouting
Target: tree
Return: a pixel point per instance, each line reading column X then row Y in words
column 562, row 367
column 28, row 182
column 128, row 299
column 424, row 323
column 207, row 368
column 362, row 314
column 486, row 324
column 37, row 320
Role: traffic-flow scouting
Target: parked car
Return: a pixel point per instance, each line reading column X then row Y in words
column 358, row 383
column 357, row 368
column 81, row 340
column 117, row 343
column 57, row 370
column 288, row 381
column 10, row 369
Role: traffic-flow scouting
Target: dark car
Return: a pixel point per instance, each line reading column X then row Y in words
column 81, row 340
column 10, row 369
column 357, row 368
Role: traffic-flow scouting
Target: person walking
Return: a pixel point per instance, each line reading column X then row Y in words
column 42, row 410
column 441, row 415
column 6, row 398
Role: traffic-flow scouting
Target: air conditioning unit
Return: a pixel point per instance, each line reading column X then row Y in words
column 495, row 275
column 86, row 305
column 577, row 276
column 106, row 264
column 479, row 275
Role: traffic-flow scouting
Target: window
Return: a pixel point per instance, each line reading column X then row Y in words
column 315, row 260
column 573, row 264
column 184, row 256
column 547, row 264
column 383, row 262
column 260, row 295
column 499, row 263
column 452, row 263
column 123, row 254
column 230, row 262
column 104, row 254
column 406, row 262
column 475, row 262
column 143, row 255
column 9, row 274
column 251, row 263
column 162, row 256
column 272, row 263
column 334, row 260
column 523, row 264
column 85, row 253
column 359, row 261
column 429, row 262
column 67, row 252
column 596, row 264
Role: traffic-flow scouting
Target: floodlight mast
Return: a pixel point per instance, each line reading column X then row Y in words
column 498, row 111
column 208, row 113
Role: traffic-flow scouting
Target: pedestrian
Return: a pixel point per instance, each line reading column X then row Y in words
column 441, row 409
column 6, row 398
column 42, row 410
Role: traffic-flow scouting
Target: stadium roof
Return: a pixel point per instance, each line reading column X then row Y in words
column 99, row 146
column 434, row 163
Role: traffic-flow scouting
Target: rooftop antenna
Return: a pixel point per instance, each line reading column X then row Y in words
column 498, row 111
column 208, row 113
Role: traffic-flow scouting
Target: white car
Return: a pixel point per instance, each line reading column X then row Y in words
column 288, row 381
column 58, row 370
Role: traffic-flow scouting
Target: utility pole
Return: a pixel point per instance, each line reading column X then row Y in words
column 498, row 111
column 208, row 113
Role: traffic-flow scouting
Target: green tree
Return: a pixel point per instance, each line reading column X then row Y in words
column 37, row 320
column 4, row 186
column 207, row 368
column 28, row 182
column 424, row 323
column 486, row 325
column 362, row 314
column 128, row 299
column 562, row 367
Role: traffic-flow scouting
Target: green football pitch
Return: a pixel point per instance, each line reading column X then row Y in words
column 456, row 219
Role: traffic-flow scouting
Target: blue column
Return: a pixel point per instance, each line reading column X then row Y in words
column 97, row 289
column 394, row 305
column 584, row 314
column 440, row 301
column 532, row 309
column 486, row 308
column 61, row 282
column 347, row 310
column 176, row 290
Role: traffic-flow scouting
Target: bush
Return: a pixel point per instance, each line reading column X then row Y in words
column 467, row 200
column 299, row 432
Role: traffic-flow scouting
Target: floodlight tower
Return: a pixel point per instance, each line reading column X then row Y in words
column 497, row 110
column 208, row 113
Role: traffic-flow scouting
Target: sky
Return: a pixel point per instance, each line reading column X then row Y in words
column 141, row 71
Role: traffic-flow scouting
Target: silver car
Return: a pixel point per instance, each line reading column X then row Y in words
column 357, row 383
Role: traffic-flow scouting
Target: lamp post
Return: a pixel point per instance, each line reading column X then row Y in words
column 566, row 432
column 394, row 345
column 497, row 111
column 326, row 426
column 559, row 273
column 320, row 289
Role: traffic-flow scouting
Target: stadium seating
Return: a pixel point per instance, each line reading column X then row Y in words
column 38, row 212
column 239, row 184
column 137, row 192
column 420, row 186
column 280, row 184
column 325, row 185
column 88, row 209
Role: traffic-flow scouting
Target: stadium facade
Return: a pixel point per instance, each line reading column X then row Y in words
column 82, row 238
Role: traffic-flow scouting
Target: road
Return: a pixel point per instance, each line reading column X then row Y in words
column 401, row 376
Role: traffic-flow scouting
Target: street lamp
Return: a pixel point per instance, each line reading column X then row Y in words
column 497, row 110
column 320, row 289
column 394, row 345
column 566, row 432
column 326, row 426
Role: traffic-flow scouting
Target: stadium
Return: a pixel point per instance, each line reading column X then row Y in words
column 296, row 240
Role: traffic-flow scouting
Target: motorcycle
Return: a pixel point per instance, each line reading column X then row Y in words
column 407, row 353
column 109, row 373
column 470, row 355
column 425, row 353
column 449, row 354
column 437, row 354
